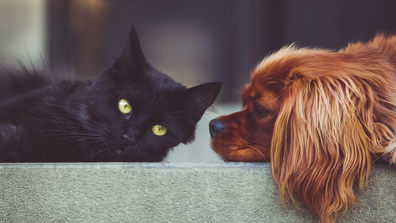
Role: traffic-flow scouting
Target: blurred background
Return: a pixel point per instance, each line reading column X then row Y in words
column 193, row 41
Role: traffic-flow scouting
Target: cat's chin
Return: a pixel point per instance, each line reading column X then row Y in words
column 129, row 154
column 124, row 151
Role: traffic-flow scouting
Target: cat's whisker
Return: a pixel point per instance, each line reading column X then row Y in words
column 69, row 131
column 179, row 135
column 93, row 126
column 70, row 113
column 184, row 118
column 96, row 153
column 116, row 42
column 76, row 138
column 60, row 132
column 145, row 154
column 184, row 112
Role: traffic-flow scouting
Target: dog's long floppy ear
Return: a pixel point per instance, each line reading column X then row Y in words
column 327, row 133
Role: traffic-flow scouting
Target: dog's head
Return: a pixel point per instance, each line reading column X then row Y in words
column 319, row 117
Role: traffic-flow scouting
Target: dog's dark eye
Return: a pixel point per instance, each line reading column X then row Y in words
column 260, row 112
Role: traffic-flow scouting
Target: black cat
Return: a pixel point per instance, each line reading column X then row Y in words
column 129, row 113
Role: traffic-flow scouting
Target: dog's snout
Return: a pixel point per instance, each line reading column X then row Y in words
column 215, row 127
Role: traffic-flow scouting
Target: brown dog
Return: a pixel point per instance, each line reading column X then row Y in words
column 320, row 117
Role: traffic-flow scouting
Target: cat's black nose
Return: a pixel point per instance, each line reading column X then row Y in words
column 215, row 127
column 128, row 140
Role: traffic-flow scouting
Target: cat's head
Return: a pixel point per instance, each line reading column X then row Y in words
column 141, row 113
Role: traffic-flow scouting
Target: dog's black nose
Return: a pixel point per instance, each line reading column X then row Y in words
column 215, row 127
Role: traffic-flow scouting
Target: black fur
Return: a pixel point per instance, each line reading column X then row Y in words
column 43, row 119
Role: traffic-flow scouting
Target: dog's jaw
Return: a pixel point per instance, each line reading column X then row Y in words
column 235, row 142
column 242, row 138
column 240, row 154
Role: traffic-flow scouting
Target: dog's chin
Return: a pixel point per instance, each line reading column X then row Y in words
column 246, row 155
column 231, row 153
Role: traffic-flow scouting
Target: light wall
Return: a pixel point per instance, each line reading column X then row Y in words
column 22, row 32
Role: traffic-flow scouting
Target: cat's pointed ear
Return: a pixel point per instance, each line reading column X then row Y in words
column 132, row 56
column 197, row 99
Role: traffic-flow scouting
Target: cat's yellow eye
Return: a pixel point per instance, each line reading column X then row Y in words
column 159, row 130
column 124, row 106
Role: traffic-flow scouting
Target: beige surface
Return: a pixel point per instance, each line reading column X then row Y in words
column 160, row 192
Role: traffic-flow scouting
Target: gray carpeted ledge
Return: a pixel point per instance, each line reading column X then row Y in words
column 167, row 192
